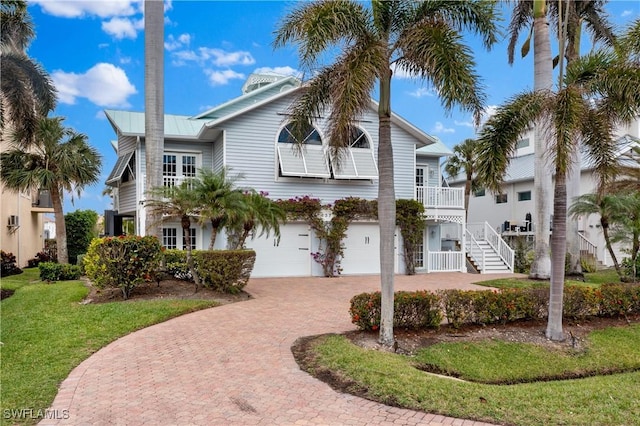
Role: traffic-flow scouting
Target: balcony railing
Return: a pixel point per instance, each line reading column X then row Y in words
column 445, row 261
column 440, row 197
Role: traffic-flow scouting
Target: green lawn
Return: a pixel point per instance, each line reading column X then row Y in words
column 393, row 379
column 46, row 332
column 594, row 279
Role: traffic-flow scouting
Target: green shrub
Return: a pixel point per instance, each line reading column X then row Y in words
column 226, row 271
column 51, row 271
column 9, row 266
column 588, row 265
column 619, row 299
column 580, row 302
column 412, row 310
column 122, row 262
column 458, row 306
column 175, row 263
column 627, row 267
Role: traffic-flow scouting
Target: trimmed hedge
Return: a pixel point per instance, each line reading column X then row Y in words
column 411, row 310
column 52, row 271
column 224, row 270
column 422, row 309
column 227, row 271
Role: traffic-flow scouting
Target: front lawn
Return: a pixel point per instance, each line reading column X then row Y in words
column 594, row 279
column 394, row 379
column 46, row 332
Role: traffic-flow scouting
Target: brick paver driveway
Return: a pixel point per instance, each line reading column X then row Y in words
column 233, row 365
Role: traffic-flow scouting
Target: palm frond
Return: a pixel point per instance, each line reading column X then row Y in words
column 521, row 18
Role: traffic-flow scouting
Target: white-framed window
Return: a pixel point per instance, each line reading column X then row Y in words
column 524, row 196
column 480, row 192
column 304, row 158
column 420, row 176
column 358, row 160
column 170, row 238
column 177, row 167
column 501, row 198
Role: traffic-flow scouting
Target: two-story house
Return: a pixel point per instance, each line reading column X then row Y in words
column 249, row 136
column 511, row 212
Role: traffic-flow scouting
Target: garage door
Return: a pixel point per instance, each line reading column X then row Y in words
column 362, row 249
column 288, row 257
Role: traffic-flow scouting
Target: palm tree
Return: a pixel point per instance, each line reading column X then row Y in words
column 627, row 229
column 605, row 206
column 178, row 202
column 27, row 92
column 223, row 204
column 261, row 213
column 600, row 90
column 464, row 159
column 419, row 38
column 61, row 160
column 542, row 80
column 154, row 103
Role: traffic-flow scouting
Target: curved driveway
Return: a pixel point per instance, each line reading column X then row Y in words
column 232, row 365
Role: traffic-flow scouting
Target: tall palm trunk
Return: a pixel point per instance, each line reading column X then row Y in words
column 543, row 80
column 386, row 209
column 61, row 229
column 186, row 226
column 604, row 222
column 559, row 253
column 154, row 104
column 467, row 196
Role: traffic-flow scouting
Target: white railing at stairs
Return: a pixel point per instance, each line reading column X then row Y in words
column 587, row 246
column 474, row 250
column 483, row 231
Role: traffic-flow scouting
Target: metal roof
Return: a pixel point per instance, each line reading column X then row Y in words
column 129, row 123
column 436, row 148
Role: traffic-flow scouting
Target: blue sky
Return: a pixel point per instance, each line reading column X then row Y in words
column 94, row 51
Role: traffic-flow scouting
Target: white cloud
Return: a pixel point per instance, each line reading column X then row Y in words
column 104, row 84
column 288, row 71
column 488, row 112
column 123, row 27
column 440, row 128
column 220, row 78
column 422, row 92
column 83, row 8
column 400, row 72
column 626, row 13
column 173, row 43
column 213, row 56
column 464, row 123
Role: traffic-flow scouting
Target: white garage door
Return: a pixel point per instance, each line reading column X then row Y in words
column 362, row 249
column 289, row 257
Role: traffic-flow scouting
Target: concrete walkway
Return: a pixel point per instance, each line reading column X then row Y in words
column 232, row 365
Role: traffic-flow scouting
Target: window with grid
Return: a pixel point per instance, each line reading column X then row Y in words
column 419, row 255
column 169, row 170
column 192, row 239
column 501, row 198
column 170, row 238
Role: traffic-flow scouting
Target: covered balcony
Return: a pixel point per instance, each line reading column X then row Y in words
column 438, row 197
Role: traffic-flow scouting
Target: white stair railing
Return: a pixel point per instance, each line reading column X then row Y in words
column 505, row 252
column 587, row 246
column 475, row 251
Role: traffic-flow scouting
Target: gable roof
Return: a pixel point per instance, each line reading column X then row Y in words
column 522, row 168
column 435, row 149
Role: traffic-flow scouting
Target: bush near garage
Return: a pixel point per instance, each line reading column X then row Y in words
column 419, row 310
column 122, row 262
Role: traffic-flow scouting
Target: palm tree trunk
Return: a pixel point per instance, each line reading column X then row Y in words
column 558, row 253
column 154, row 105
column 386, row 209
column 604, row 222
column 467, row 195
column 214, row 234
column 186, row 225
column 543, row 80
column 61, row 229
column 573, row 241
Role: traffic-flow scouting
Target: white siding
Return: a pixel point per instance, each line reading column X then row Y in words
column 218, row 154
column 126, row 144
column 251, row 150
column 127, row 198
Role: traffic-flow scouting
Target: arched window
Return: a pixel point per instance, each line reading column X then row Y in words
column 302, row 159
column 358, row 160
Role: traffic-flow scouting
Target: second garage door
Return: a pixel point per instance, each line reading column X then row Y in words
column 362, row 249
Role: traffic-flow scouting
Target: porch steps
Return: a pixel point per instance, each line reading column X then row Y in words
column 493, row 264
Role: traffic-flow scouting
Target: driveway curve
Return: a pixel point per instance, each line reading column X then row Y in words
column 232, row 365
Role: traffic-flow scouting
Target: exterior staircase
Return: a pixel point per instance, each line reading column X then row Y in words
column 487, row 251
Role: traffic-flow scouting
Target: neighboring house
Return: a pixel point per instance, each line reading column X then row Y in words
column 249, row 136
column 22, row 216
column 511, row 212
column 49, row 228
